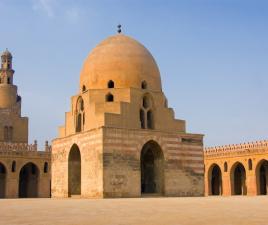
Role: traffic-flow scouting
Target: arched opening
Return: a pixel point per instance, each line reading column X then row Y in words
column 215, row 180
column 145, row 102
column 142, row 119
column 150, row 123
column 250, row 164
column 152, row 169
column 28, row 181
column 238, row 180
column 13, row 167
column 8, row 80
column 144, row 85
column 74, row 171
column 262, row 177
column 225, row 167
column 2, row 180
column 79, row 112
column 84, row 88
column 79, row 123
column 110, row 84
column 109, row 98
column 45, row 167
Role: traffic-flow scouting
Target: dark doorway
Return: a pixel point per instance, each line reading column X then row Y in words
column 2, row 180
column 74, row 171
column 152, row 169
column 239, row 180
column 28, row 181
column 262, row 179
column 216, row 181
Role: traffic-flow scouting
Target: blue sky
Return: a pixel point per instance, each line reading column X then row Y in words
column 212, row 55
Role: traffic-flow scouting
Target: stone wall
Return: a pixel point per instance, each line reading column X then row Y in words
column 183, row 162
column 249, row 155
column 21, row 154
column 90, row 146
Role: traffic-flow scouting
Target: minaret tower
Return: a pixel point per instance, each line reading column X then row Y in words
column 13, row 127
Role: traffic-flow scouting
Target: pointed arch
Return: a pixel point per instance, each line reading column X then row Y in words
column 238, row 179
column 80, row 115
column 29, row 181
column 262, row 177
column 215, row 180
column 74, row 171
column 152, row 168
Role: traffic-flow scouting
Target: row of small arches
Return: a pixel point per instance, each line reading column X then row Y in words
column 14, row 167
column 111, row 84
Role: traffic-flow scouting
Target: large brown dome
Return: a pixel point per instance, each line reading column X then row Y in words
column 124, row 61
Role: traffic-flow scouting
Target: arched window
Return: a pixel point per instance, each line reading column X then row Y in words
column 109, row 98
column 142, row 118
column 84, row 118
column 225, row 167
column 150, row 120
column 110, row 84
column 45, row 167
column 84, row 88
column 145, row 102
column 78, row 123
column 79, row 115
column 250, row 164
column 81, row 105
column 13, row 166
column 144, row 85
column 146, row 113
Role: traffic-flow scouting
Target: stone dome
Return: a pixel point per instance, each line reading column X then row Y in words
column 124, row 61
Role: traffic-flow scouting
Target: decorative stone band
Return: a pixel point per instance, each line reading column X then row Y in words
column 258, row 147
column 9, row 146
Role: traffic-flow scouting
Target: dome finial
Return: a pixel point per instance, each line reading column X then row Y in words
column 119, row 28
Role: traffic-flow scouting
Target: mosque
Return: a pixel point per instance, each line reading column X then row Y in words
column 120, row 139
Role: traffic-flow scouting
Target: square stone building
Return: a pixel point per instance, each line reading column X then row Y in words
column 120, row 138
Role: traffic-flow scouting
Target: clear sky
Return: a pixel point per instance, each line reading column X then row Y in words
column 212, row 55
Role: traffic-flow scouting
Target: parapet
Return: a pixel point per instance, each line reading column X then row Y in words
column 237, row 149
column 9, row 146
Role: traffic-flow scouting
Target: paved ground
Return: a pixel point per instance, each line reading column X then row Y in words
column 144, row 211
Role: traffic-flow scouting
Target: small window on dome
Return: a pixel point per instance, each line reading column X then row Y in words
column 84, row 88
column 144, row 85
column 109, row 98
column 110, row 84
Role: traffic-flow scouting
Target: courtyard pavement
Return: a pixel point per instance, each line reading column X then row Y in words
column 138, row 211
